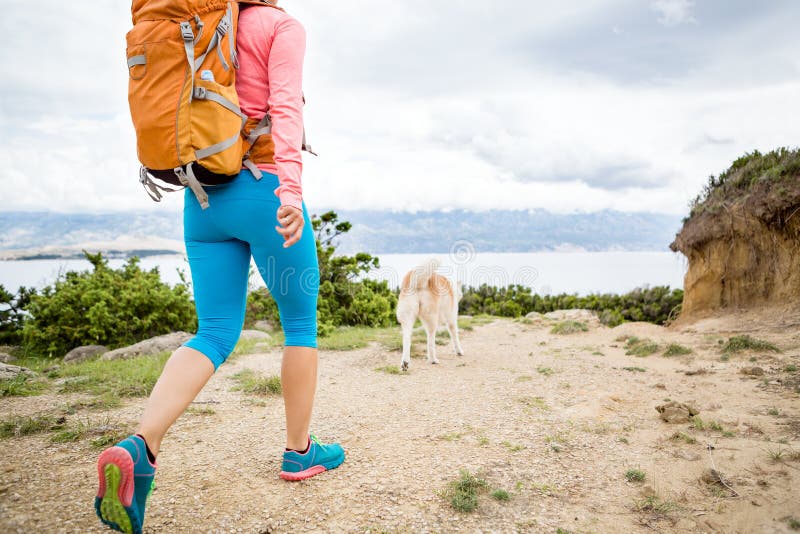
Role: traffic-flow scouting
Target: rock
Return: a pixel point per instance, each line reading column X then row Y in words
column 165, row 343
column 534, row 316
column 711, row 476
column 13, row 371
column 752, row 371
column 6, row 358
column 262, row 347
column 587, row 316
column 265, row 326
column 254, row 334
column 676, row 412
column 86, row 352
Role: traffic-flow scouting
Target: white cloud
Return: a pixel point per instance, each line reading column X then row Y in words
column 675, row 12
column 422, row 106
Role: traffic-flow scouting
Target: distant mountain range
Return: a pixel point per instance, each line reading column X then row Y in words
column 27, row 235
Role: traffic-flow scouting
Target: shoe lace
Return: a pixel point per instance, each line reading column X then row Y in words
column 317, row 441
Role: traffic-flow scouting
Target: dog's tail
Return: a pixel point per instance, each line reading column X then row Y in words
column 421, row 274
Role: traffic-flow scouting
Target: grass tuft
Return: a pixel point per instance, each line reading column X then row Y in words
column 106, row 433
column 569, row 327
column 684, row 437
column 105, row 401
column 116, row 378
column 22, row 386
column 512, row 447
column 745, row 342
column 634, row 369
column 534, row 402
column 256, row 384
column 675, row 349
column 500, row 495
column 347, row 338
column 390, row 370
column 463, row 492
column 635, row 475
column 452, row 436
column 24, row 426
column 640, row 347
column 656, row 506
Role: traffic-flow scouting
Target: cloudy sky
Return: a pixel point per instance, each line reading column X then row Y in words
column 578, row 105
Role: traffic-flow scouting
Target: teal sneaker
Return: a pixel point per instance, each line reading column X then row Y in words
column 318, row 458
column 126, row 482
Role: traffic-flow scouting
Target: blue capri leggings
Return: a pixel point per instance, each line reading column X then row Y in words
column 239, row 222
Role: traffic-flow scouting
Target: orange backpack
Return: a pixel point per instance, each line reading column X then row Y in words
column 182, row 64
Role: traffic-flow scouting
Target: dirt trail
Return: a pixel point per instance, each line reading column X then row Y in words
column 555, row 420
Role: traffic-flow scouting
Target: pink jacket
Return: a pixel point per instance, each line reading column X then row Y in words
column 271, row 45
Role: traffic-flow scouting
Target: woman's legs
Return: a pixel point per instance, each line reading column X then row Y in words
column 184, row 375
column 299, row 382
column 292, row 278
column 219, row 275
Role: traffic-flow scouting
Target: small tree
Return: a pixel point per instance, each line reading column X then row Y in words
column 112, row 307
column 12, row 314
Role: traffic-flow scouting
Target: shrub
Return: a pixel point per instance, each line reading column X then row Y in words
column 12, row 314
column 748, row 171
column 655, row 305
column 500, row 495
column 112, row 307
column 569, row 327
column 675, row 349
column 745, row 342
column 640, row 347
column 635, row 475
column 463, row 492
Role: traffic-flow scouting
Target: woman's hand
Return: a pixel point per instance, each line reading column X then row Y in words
column 291, row 225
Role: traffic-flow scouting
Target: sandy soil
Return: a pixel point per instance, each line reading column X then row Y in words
column 553, row 419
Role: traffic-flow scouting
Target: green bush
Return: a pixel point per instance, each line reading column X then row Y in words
column 751, row 169
column 655, row 305
column 12, row 314
column 112, row 307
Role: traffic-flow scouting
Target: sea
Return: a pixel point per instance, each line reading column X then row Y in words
column 547, row 273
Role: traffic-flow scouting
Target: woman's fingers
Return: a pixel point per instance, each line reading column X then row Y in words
column 294, row 238
column 291, row 233
column 292, row 226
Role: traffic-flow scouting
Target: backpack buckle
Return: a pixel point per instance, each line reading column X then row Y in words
column 200, row 93
column 223, row 27
column 186, row 31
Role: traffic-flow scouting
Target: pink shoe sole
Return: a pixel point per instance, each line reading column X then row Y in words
column 302, row 475
column 122, row 459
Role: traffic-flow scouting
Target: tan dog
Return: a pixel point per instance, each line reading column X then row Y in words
column 432, row 298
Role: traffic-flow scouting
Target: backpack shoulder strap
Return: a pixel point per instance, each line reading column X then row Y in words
column 267, row 3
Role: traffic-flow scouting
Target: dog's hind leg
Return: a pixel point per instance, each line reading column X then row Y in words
column 452, row 329
column 407, row 328
column 431, row 325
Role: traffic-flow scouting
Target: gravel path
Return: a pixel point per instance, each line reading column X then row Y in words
column 554, row 420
